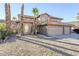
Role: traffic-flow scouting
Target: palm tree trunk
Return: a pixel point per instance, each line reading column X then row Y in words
column 32, row 32
column 35, row 26
column 8, row 16
column 21, row 22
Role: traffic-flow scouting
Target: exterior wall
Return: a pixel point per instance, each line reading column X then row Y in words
column 54, row 30
column 43, row 19
column 67, row 30
column 27, row 28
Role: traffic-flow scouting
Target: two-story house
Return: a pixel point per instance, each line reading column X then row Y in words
column 47, row 25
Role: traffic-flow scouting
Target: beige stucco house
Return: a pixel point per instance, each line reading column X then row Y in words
column 47, row 25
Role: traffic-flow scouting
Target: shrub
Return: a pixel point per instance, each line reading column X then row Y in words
column 3, row 31
column 2, row 34
column 2, row 26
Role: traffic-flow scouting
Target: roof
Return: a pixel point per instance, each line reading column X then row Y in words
column 50, row 16
column 74, row 22
column 26, row 16
column 3, row 21
column 57, row 23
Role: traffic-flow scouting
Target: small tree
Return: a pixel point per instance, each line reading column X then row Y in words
column 77, row 17
column 14, row 18
column 3, row 32
column 14, row 31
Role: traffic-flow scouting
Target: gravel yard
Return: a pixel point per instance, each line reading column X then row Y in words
column 33, row 46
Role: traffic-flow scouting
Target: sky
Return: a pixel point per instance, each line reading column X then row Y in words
column 67, row 11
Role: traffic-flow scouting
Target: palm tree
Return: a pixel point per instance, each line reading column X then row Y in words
column 8, row 15
column 35, row 11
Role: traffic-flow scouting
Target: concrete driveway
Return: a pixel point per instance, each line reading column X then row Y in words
column 64, row 45
column 30, row 45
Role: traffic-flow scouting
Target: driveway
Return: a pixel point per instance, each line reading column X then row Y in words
column 63, row 45
column 36, row 46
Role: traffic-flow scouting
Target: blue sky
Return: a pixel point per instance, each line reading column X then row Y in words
column 67, row 11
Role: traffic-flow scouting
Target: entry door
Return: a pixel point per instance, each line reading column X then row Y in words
column 27, row 28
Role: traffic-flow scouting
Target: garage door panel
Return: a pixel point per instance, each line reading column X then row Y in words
column 66, row 30
column 55, row 30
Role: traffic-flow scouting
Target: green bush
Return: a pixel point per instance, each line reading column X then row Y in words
column 2, row 34
column 14, row 31
column 3, row 31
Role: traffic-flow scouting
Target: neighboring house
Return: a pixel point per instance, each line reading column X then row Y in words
column 75, row 28
column 47, row 25
column 2, row 21
column 75, row 23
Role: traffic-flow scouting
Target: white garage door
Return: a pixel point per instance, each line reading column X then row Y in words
column 54, row 30
column 67, row 30
column 27, row 28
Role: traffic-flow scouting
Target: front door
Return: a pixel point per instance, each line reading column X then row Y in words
column 27, row 28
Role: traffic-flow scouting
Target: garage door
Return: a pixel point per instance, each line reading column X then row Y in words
column 54, row 30
column 67, row 30
column 27, row 28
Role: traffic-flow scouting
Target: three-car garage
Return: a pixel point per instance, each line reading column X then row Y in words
column 55, row 29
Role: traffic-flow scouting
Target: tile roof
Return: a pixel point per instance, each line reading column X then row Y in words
column 51, row 16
